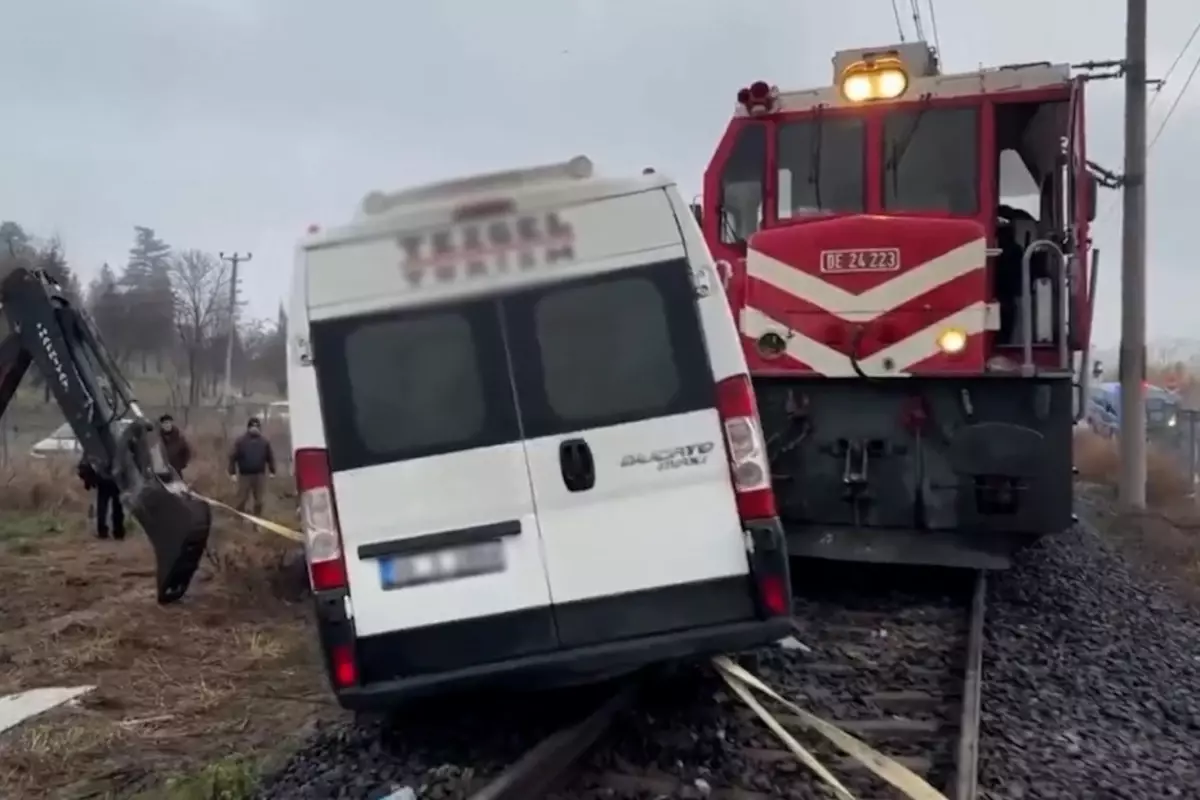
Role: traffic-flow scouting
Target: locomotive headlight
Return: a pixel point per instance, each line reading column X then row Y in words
column 880, row 79
column 890, row 84
column 857, row 88
column 952, row 341
column 1171, row 422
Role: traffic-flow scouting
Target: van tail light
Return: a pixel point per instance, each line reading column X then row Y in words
column 343, row 668
column 774, row 593
column 746, row 447
column 318, row 514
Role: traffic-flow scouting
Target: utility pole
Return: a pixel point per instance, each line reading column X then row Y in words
column 1132, row 488
column 234, row 259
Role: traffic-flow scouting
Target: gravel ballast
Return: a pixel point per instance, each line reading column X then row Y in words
column 1092, row 679
column 438, row 751
column 1091, row 690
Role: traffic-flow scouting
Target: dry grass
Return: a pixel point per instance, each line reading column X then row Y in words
column 50, row 486
column 1099, row 462
column 1163, row 542
column 203, row 687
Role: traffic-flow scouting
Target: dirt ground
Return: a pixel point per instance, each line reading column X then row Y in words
column 193, row 699
column 1164, row 542
column 190, row 698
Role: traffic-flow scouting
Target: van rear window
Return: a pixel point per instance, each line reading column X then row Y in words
column 607, row 350
column 413, row 384
column 584, row 354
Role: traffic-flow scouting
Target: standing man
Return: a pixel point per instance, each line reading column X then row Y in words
column 249, row 463
column 108, row 502
column 175, row 444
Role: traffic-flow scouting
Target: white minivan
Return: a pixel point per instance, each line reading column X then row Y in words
column 526, row 444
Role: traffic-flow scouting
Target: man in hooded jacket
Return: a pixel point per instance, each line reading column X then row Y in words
column 175, row 444
column 249, row 463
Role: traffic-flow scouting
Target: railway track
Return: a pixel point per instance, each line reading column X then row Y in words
column 905, row 676
column 900, row 670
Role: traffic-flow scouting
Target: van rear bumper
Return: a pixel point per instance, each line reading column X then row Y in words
column 566, row 666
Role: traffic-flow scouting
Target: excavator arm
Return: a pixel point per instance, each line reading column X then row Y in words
column 48, row 332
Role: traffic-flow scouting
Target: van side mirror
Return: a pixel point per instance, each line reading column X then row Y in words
column 1093, row 191
column 1097, row 369
column 698, row 213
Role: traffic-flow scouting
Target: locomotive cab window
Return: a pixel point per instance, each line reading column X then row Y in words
column 1029, row 206
column 820, row 166
column 740, row 209
column 931, row 160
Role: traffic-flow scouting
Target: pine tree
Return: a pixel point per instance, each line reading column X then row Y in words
column 14, row 239
column 147, row 284
column 110, row 311
column 148, row 255
column 52, row 259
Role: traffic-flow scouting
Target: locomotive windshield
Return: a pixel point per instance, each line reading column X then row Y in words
column 743, row 185
column 931, row 160
column 820, row 166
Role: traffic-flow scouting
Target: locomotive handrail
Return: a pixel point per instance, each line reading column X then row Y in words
column 1085, row 367
column 1027, row 367
column 1065, row 271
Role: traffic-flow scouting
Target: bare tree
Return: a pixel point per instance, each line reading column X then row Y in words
column 200, row 285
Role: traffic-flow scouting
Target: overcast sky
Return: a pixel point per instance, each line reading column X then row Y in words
column 233, row 124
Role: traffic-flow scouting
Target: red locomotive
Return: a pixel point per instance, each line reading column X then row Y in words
column 916, row 342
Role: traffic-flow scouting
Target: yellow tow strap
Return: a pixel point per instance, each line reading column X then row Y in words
column 265, row 524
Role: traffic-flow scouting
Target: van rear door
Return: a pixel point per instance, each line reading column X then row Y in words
column 432, row 486
column 631, row 482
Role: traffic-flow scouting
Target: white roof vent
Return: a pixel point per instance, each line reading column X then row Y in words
column 578, row 168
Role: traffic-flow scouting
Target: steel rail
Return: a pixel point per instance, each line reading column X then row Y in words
column 966, row 783
column 541, row 769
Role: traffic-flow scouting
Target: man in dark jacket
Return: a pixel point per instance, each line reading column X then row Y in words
column 108, row 500
column 249, row 463
column 175, row 445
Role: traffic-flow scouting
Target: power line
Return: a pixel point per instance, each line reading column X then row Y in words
column 1175, row 103
column 915, row 5
column 937, row 41
column 1178, row 57
column 896, row 14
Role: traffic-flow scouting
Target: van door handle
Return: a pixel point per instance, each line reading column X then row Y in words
column 578, row 466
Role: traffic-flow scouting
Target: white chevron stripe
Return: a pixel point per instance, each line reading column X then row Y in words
column 874, row 302
column 826, row 361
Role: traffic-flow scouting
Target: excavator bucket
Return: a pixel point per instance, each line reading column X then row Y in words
column 44, row 329
column 177, row 525
column 176, row 522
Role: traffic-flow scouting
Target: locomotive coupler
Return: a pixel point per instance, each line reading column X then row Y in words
column 856, row 463
column 855, row 469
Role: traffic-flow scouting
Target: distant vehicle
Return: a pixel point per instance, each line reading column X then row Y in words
column 1104, row 410
column 62, row 442
column 535, row 460
column 277, row 411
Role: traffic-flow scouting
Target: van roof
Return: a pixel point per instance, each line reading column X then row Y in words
column 486, row 234
column 567, row 183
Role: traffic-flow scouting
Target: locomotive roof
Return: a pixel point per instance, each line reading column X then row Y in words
column 989, row 81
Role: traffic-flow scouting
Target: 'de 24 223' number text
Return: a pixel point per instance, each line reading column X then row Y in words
column 874, row 259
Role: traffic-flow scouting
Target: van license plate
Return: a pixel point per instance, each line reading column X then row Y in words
column 401, row 572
